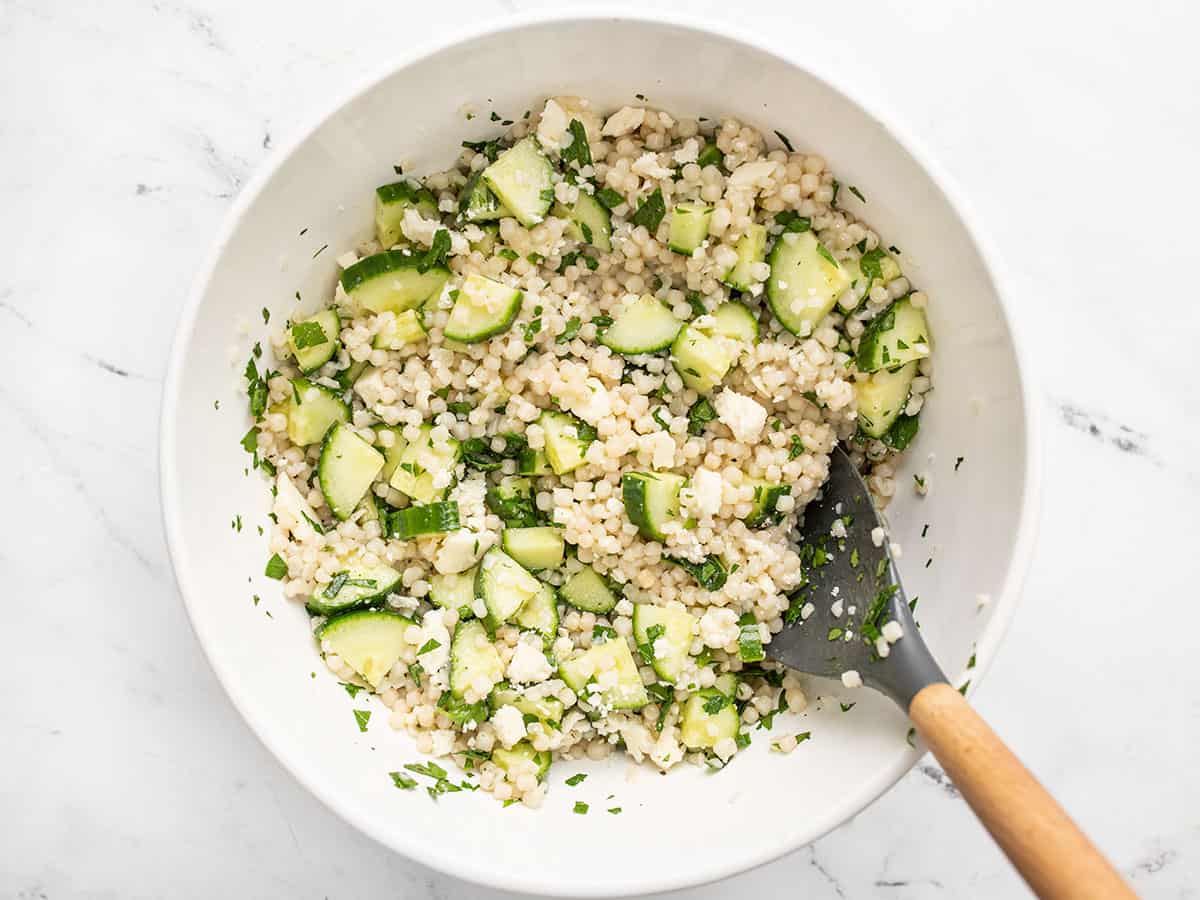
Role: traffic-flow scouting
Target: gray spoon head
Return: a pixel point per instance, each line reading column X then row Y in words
column 849, row 574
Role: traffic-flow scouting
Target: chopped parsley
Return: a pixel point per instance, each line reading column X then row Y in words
column 846, row 707
column 351, row 689
column 783, row 139
column 602, row 633
column 308, row 334
column 650, row 211
column 490, row 149
column 821, row 249
column 578, row 151
column 437, row 252
column 362, row 717
column 664, row 696
column 266, row 314
column 646, row 648
column 696, row 300
column 609, row 198
column 580, row 808
column 402, row 781
column 615, row 810
column 742, row 740
column 871, row 264
column 431, row 644
column 415, row 671
column 276, row 567
column 701, row 413
column 256, row 390
column 577, row 779
column 656, row 416
column 768, row 720
column 716, row 703
column 711, row 574
column 797, row 446
column 834, row 634
column 508, row 253
column 570, row 332
column 790, row 220
column 857, row 193
column 958, row 462
column 532, row 330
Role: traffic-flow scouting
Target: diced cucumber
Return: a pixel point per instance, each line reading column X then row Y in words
column 588, row 591
column 540, row 613
column 750, row 249
column 896, row 336
column 566, row 441
column 872, row 268
column 315, row 340
column 589, row 221
column 763, row 510
column 549, row 709
column 311, row 410
column 702, row 730
column 391, row 200
column 750, row 647
column 392, row 281
column 369, row 641
column 429, row 518
column 522, row 758
column 512, row 500
column 346, row 469
column 456, row 591
column 689, row 227
column 349, row 375
column 651, row 501
column 735, row 320
column 611, row 665
column 644, row 326
column 533, row 462
column 477, row 203
column 710, row 155
column 882, row 397
column 421, row 462
column 727, row 683
column 403, row 329
column 483, row 308
column 522, row 178
column 473, row 657
column 668, row 633
column 504, row 586
column 370, row 509
column 392, row 454
column 487, row 243
column 535, row 548
column 358, row 585
column 702, row 360
column 805, row 281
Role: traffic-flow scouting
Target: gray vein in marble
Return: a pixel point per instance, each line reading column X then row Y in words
column 1102, row 428
column 230, row 169
column 824, row 872
column 940, row 778
column 111, row 368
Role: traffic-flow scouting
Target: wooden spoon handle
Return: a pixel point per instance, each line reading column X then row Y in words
column 1053, row 856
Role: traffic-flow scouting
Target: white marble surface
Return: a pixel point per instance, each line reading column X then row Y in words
column 126, row 129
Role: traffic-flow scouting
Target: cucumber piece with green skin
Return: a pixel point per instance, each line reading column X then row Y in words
column 588, row 591
column 483, row 309
column 473, row 657
column 355, row 587
column 763, row 509
column 533, row 462
column 391, row 201
column 673, row 627
column 540, row 613
column 735, row 320
column 393, row 454
column 522, row 179
column 750, row 249
column 421, row 462
column 351, row 374
column 504, row 586
column 727, row 683
column 487, row 243
column 702, row 730
column 455, row 591
column 315, row 340
column 548, row 709
column 522, row 758
column 651, row 501
column 882, row 398
column 566, row 441
column 392, row 281
column 588, row 221
column 805, row 282
column 689, row 227
column 535, row 548
column 512, row 500
column 369, row 641
column 896, row 336
column 311, row 410
column 347, row 467
column 872, row 268
column 644, row 326
column 399, row 332
column 702, row 360
column 429, row 518
column 710, row 155
column 750, row 647
column 613, row 656
column 477, row 203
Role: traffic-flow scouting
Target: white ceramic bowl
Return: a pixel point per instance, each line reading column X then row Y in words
column 700, row 826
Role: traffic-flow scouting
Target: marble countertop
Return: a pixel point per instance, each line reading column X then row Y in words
column 129, row 126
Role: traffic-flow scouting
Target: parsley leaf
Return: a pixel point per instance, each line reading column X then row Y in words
column 580, row 808
column 431, row 644
column 701, row 413
column 490, row 149
column 871, row 264
column 256, row 390
column 570, row 332
column 650, row 211
column 790, row 220
column 797, row 447
column 716, row 703
column 362, row 717
column 308, row 334
column 783, row 139
column 437, row 252
column 578, row 150
column 609, row 198
column 711, row 574
column 646, row 648
column 576, row 779
column 276, row 567
column 664, row 696
column 402, row 781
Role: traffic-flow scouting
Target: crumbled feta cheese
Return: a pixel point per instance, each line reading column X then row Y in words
column 877, row 535
column 744, row 415
column 851, row 678
column 443, row 742
column 725, row 748
column 837, row 529
column 528, row 663
column 625, row 120
column 836, row 609
column 552, row 127
column 707, row 488
column 718, row 627
column 509, row 725
column 417, row 228
column 688, row 153
column 892, row 631
column 754, row 173
column 647, row 166
column 459, row 551
column 347, row 259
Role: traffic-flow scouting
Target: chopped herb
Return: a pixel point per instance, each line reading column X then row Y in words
column 912, row 604
column 570, row 332
column 646, row 649
column 742, row 739
column 854, row 558
column 320, row 250
column 929, row 562
column 362, row 717
column 857, row 193
column 711, row 574
column 316, row 526
column 666, row 426
column 701, row 413
column 837, row 186
column 609, row 198
column 846, row 707
column 266, row 314
column 256, row 390
column 894, row 249
column 834, row 634
column 536, row 258
column 602, row 322
column 532, row 329
column 958, row 462
column 768, row 720
column 438, row 250
column 971, row 661
column 415, row 671
column 912, row 733
column 920, row 482
column 276, row 567
column 402, row 781
column 696, row 300
column 509, row 802
column 507, row 253
column 577, row 779
column 821, row 249
column 791, row 220
column 797, row 447
column 871, row 264
column 428, row 769
column 460, row 711
column 650, row 211
column 351, row 689
column 257, row 599
column 490, row 149
column 577, row 151
column 580, row 808
column 872, row 619
column 591, row 263
column 568, row 259
column 783, row 139
column 460, row 408
column 250, row 440
column 664, row 696
column 431, row 644
column 716, row 703
column 615, row 810
column 963, row 689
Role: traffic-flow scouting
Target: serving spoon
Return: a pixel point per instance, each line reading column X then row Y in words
column 852, row 572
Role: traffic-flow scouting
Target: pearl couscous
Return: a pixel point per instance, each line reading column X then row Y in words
column 537, row 463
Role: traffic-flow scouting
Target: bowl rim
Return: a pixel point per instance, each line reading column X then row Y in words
column 528, row 881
